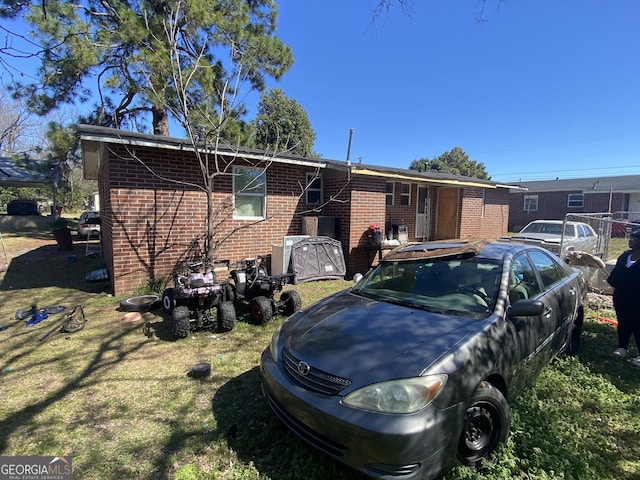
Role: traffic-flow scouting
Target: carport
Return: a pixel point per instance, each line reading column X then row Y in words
column 13, row 175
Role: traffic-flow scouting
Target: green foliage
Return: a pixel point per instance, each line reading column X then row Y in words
column 455, row 162
column 146, row 55
column 189, row 472
column 283, row 125
column 124, row 387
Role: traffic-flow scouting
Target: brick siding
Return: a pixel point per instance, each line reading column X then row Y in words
column 554, row 206
column 148, row 221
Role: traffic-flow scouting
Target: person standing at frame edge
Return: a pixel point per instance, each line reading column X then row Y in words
column 625, row 280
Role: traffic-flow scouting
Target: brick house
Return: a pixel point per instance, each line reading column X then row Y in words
column 554, row 199
column 148, row 220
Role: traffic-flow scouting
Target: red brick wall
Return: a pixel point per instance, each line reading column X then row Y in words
column 151, row 222
column 484, row 215
column 553, row 206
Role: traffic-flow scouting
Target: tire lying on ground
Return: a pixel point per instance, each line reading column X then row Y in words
column 140, row 303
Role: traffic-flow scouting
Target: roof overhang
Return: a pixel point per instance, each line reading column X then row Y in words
column 422, row 178
column 94, row 141
column 12, row 175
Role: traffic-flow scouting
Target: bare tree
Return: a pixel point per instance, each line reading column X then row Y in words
column 204, row 104
column 20, row 133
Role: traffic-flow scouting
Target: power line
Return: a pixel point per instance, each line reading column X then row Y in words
column 582, row 170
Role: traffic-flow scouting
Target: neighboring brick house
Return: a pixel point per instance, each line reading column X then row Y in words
column 554, row 199
column 149, row 221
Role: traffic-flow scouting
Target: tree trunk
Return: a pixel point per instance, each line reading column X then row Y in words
column 160, row 122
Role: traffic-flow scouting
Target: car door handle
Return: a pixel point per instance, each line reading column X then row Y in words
column 547, row 312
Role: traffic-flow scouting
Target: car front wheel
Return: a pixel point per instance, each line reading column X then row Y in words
column 486, row 424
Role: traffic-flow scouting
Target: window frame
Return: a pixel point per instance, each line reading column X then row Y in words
column 311, row 179
column 544, row 263
column 236, row 194
column 577, row 203
column 528, row 200
column 389, row 196
column 405, row 196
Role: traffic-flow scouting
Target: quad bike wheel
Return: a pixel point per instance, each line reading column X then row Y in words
column 226, row 316
column 168, row 300
column 181, row 322
column 260, row 310
column 486, row 424
column 292, row 302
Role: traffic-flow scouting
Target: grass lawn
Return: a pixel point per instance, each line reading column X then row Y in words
column 116, row 395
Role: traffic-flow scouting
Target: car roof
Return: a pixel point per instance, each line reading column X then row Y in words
column 557, row 222
column 488, row 249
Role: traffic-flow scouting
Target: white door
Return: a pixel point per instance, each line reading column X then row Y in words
column 422, row 213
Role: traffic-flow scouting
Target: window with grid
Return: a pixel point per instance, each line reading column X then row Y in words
column 530, row 203
column 390, row 192
column 575, row 200
column 405, row 195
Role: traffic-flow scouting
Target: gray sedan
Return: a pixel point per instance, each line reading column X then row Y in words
column 409, row 372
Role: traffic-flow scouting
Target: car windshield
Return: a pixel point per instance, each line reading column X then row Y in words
column 467, row 287
column 552, row 228
column 88, row 215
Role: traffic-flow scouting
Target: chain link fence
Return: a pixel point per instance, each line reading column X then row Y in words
column 613, row 229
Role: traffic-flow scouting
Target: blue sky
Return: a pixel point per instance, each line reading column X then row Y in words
column 541, row 89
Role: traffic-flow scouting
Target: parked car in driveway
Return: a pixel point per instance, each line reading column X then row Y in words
column 409, row 372
column 551, row 234
column 23, row 207
column 89, row 221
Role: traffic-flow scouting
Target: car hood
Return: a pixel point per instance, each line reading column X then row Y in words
column 367, row 340
column 542, row 237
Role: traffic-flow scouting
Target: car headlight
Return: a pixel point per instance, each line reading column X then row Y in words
column 275, row 340
column 406, row 395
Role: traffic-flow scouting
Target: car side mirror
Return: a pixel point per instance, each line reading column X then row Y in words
column 525, row 308
column 357, row 277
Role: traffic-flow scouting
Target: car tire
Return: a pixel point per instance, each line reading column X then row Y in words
column 292, row 302
column 181, row 322
column 140, row 303
column 260, row 310
column 486, row 424
column 168, row 300
column 226, row 316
